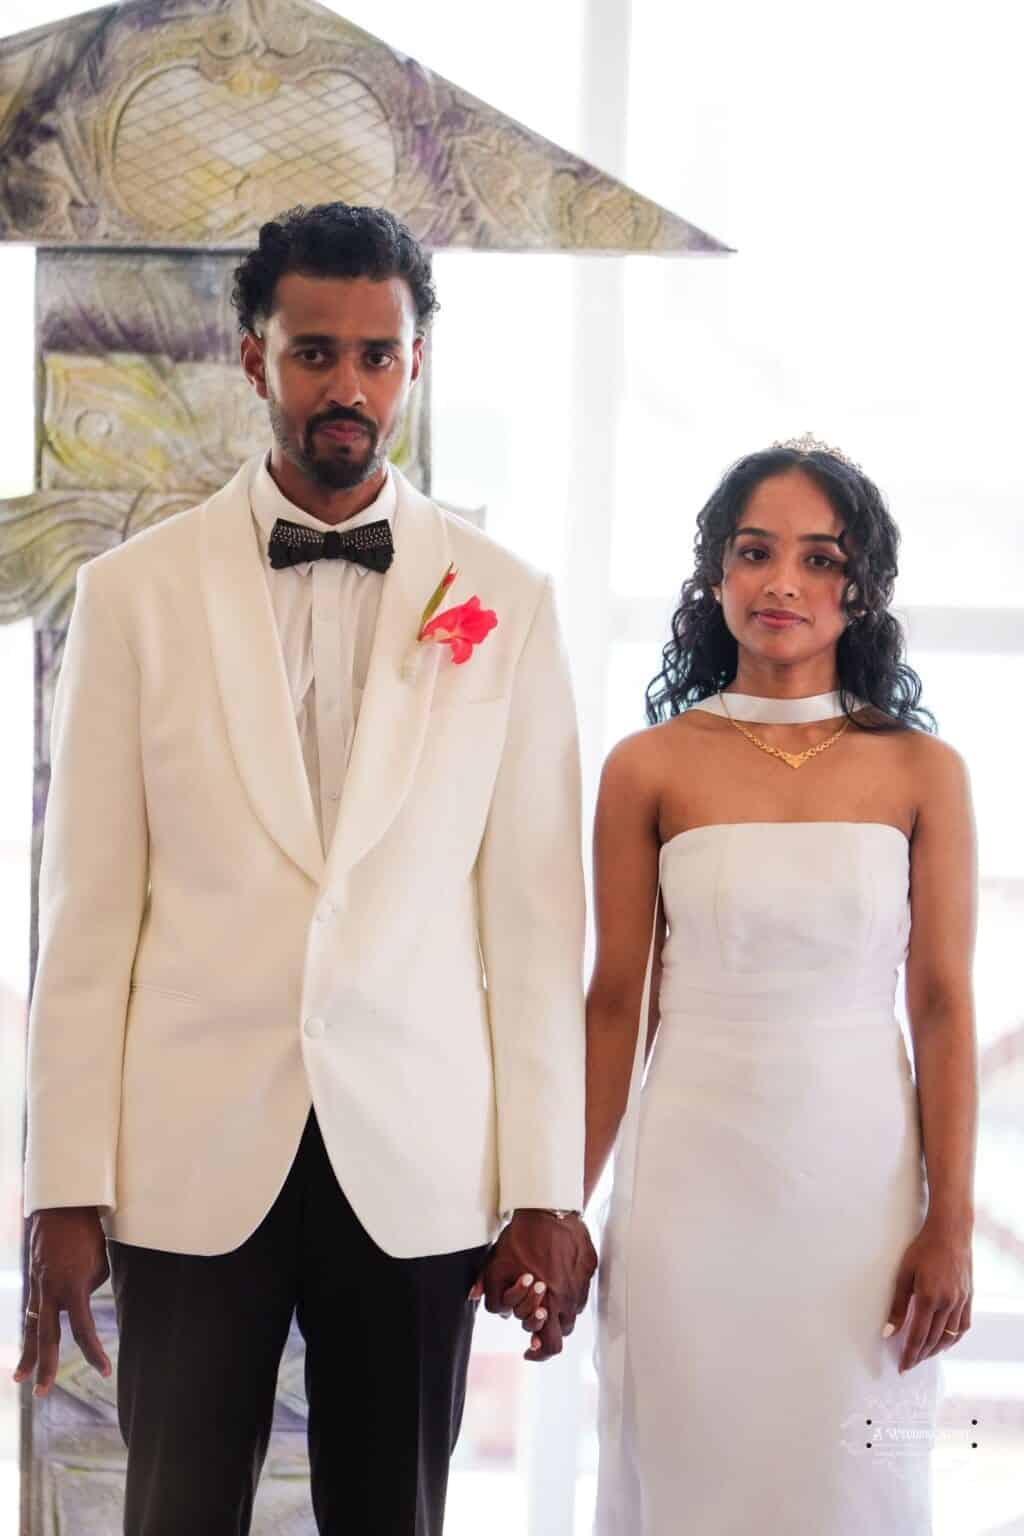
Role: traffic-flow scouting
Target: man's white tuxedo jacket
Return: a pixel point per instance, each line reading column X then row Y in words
column 205, row 973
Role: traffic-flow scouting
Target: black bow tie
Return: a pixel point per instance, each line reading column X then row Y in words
column 370, row 545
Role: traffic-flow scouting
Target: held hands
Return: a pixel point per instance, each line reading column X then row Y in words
column 936, row 1272
column 539, row 1269
column 68, row 1263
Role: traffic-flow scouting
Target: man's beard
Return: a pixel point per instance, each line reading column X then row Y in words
column 340, row 468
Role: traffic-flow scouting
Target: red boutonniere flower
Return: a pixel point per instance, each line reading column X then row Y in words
column 463, row 627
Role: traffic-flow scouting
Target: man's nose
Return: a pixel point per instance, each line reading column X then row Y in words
column 346, row 383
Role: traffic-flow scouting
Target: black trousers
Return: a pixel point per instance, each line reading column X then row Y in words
column 387, row 1346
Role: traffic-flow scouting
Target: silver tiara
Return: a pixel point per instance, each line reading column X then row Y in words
column 808, row 443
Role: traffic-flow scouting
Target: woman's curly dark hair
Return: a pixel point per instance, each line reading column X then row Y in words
column 332, row 240
column 702, row 656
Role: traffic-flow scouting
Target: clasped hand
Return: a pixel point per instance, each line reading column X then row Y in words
column 539, row 1270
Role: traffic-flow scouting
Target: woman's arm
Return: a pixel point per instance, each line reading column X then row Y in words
column 940, row 1006
column 940, row 1010
column 626, row 849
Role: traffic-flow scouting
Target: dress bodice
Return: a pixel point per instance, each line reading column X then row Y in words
column 784, row 914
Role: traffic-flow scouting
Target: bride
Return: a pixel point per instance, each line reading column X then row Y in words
column 789, row 1244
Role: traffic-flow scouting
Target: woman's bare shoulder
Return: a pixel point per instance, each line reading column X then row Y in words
column 628, row 762
column 642, row 760
column 921, row 750
column 651, row 744
column 936, row 764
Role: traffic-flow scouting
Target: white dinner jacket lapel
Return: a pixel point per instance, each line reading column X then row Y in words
column 251, row 675
column 395, row 711
column 254, row 685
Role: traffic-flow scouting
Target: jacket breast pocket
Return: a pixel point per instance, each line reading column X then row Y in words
column 457, row 697
column 160, row 991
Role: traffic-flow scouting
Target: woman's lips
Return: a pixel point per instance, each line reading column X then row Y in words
column 777, row 620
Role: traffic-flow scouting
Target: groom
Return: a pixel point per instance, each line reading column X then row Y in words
column 307, row 1025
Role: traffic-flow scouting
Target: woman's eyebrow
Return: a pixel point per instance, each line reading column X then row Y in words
column 805, row 538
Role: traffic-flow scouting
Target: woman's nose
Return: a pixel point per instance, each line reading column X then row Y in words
column 783, row 583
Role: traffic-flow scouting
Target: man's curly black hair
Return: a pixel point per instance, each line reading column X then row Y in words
column 332, row 240
column 702, row 656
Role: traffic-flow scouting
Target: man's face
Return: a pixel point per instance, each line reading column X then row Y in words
column 335, row 362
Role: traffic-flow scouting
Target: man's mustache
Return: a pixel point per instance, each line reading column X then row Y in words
column 342, row 414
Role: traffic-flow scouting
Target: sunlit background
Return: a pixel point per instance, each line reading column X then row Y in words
column 864, row 162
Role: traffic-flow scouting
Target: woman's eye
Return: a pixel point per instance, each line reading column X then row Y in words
column 827, row 563
column 752, row 553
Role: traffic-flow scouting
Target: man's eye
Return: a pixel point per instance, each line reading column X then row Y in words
column 311, row 355
column 378, row 359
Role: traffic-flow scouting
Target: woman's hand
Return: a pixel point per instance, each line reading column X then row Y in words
column 936, row 1272
column 555, row 1253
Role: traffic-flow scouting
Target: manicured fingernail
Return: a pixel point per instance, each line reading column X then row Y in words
column 540, row 1287
column 525, row 1280
column 888, row 1330
column 38, row 1391
column 535, row 1343
column 540, row 1314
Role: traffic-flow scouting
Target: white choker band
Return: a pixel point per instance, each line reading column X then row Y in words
column 749, row 706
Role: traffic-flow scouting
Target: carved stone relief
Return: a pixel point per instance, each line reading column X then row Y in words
column 166, row 122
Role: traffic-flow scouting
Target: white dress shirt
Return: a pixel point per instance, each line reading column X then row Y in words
column 326, row 614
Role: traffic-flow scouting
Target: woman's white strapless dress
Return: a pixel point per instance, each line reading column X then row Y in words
column 768, row 1179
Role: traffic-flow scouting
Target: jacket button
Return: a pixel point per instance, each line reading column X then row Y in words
column 315, row 1028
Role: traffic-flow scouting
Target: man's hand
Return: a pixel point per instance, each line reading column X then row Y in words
column 540, row 1268
column 68, row 1263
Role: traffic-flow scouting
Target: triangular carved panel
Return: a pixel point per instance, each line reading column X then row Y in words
column 172, row 123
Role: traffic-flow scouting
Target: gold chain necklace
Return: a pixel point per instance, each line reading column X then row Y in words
column 791, row 759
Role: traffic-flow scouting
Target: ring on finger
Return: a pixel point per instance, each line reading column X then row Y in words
column 32, row 1314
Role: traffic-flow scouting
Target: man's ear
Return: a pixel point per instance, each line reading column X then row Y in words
column 254, row 363
column 417, row 359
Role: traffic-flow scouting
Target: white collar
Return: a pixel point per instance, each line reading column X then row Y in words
column 269, row 502
column 749, row 706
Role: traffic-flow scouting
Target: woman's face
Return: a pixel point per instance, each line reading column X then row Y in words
column 784, row 572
